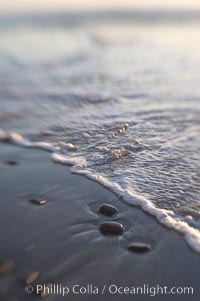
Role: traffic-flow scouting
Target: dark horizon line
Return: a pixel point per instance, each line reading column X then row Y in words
column 182, row 11
column 78, row 17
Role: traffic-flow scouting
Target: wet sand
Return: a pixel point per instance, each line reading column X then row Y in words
column 61, row 239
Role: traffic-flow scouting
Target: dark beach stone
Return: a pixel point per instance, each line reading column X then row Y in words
column 107, row 210
column 12, row 162
column 38, row 201
column 6, row 266
column 111, row 228
column 139, row 247
column 31, row 277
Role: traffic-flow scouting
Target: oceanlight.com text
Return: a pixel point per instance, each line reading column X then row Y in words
column 111, row 289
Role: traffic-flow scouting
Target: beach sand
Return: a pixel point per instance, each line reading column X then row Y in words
column 61, row 239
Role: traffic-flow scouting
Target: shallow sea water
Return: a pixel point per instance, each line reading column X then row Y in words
column 125, row 94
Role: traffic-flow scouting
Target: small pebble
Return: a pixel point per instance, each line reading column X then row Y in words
column 111, row 228
column 138, row 247
column 108, row 210
column 38, row 202
column 45, row 292
column 12, row 162
column 30, row 278
column 6, row 266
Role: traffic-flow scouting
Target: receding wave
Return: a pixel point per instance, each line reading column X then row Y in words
column 183, row 225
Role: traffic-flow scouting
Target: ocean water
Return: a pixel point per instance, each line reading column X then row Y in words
column 118, row 99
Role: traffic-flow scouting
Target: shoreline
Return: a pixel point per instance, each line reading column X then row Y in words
column 165, row 217
column 62, row 239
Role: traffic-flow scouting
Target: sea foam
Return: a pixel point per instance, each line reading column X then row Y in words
column 79, row 166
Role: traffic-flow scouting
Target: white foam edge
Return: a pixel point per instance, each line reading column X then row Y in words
column 18, row 139
column 165, row 217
